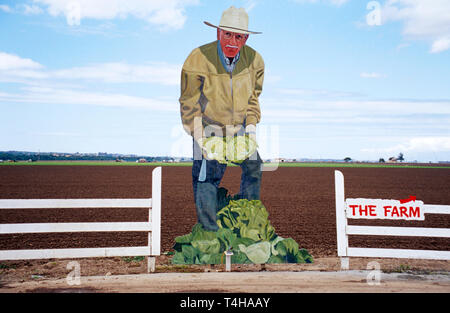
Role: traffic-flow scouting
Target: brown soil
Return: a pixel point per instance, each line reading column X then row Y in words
column 300, row 202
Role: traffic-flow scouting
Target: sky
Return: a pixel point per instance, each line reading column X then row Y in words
column 343, row 78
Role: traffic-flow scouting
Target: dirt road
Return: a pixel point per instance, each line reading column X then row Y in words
column 240, row 282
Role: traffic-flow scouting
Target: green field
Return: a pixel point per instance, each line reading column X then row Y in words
column 364, row 165
column 95, row 163
column 299, row 164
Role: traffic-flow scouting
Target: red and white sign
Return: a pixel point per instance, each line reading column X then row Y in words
column 384, row 209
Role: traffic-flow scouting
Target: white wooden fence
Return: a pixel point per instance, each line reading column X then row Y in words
column 153, row 226
column 344, row 230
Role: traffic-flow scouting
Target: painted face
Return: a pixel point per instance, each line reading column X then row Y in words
column 231, row 43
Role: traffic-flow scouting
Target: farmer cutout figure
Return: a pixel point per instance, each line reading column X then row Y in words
column 220, row 85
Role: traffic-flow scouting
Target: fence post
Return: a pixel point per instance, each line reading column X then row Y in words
column 341, row 220
column 154, row 238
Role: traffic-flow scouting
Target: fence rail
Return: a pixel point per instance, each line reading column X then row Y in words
column 73, row 203
column 344, row 230
column 153, row 226
column 73, row 227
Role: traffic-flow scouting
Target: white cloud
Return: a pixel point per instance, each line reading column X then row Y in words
column 5, row 8
column 351, row 113
column 403, row 46
column 60, row 96
column 318, row 93
column 57, row 134
column 40, row 85
column 14, row 62
column 16, row 69
column 271, row 78
column 423, row 20
column 120, row 72
column 333, row 2
column 164, row 13
column 32, row 9
column 339, row 2
column 250, row 5
column 440, row 45
column 417, row 144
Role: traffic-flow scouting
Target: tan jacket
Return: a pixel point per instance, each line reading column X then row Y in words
column 216, row 96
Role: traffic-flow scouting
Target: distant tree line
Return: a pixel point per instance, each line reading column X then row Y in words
column 48, row 156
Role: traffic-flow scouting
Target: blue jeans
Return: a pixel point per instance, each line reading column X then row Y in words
column 206, row 178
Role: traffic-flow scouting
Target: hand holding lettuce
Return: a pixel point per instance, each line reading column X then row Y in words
column 229, row 149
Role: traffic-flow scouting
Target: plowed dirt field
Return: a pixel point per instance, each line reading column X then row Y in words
column 300, row 202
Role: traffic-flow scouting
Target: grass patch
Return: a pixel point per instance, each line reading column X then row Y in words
column 356, row 165
column 402, row 269
column 93, row 163
column 133, row 259
column 180, row 269
column 7, row 266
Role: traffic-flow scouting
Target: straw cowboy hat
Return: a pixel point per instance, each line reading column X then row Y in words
column 234, row 20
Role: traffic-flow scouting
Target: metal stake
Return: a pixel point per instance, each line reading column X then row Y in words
column 228, row 255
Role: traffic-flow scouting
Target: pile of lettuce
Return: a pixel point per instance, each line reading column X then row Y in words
column 234, row 149
column 244, row 228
